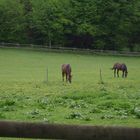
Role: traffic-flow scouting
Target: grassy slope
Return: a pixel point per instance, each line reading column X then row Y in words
column 25, row 95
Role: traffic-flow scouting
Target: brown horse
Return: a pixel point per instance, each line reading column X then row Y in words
column 66, row 71
column 120, row 67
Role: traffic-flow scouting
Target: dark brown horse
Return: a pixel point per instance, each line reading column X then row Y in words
column 66, row 71
column 120, row 67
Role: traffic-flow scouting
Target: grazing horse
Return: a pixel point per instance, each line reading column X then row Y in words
column 120, row 67
column 66, row 71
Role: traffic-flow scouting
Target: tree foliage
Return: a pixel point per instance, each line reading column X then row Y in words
column 95, row 24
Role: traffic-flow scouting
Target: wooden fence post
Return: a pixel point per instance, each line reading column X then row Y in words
column 47, row 75
column 101, row 79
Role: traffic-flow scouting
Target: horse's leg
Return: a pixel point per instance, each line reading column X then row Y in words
column 63, row 76
column 118, row 73
column 66, row 78
column 122, row 74
column 114, row 72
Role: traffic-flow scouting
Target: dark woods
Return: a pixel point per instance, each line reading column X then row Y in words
column 93, row 24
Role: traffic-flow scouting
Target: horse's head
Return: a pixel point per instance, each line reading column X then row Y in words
column 126, row 73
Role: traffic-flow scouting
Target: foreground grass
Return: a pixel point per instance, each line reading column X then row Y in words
column 26, row 96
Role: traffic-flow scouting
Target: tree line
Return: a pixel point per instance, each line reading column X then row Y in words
column 92, row 24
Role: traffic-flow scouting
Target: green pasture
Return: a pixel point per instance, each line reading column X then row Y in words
column 27, row 95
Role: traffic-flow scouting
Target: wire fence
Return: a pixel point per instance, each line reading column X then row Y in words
column 66, row 132
column 68, row 49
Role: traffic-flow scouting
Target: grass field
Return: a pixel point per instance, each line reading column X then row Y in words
column 26, row 96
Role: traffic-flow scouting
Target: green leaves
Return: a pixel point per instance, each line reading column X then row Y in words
column 86, row 28
column 137, row 112
column 97, row 24
column 11, row 19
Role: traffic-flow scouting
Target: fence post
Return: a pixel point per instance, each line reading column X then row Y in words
column 47, row 75
column 101, row 79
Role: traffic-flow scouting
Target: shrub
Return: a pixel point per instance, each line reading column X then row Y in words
column 75, row 115
column 137, row 112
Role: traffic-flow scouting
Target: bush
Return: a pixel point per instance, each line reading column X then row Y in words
column 137, row 112
column 75, row 115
